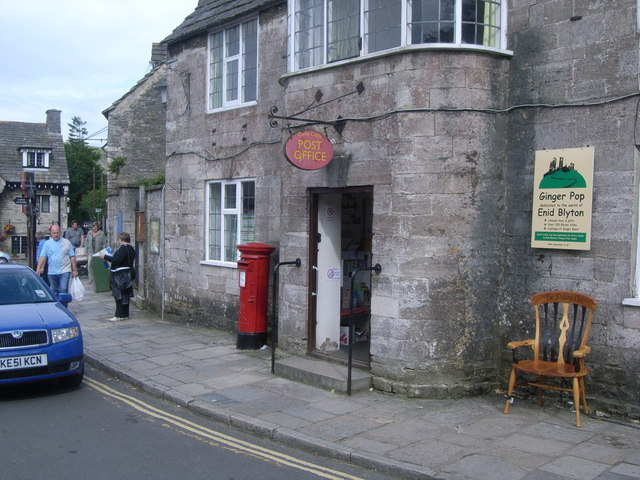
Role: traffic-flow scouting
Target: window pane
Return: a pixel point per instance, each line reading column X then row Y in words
column 215, row 222
column 215, row 71
column 433, row 21
column 343, row 27
column 383, row 19
column 248, row 230
column 481, row 22
column 230, row 238
column 230, row 196
column 232, row 81
column 250, row 61
column 44, row 203
column 308, row 33
column 232, row 41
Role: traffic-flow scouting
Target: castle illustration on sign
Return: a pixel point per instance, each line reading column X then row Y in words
column 560, row 175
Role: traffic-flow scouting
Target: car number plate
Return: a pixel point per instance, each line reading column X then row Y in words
column 27, row 361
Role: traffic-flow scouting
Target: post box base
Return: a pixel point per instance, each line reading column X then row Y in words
column 251, row 341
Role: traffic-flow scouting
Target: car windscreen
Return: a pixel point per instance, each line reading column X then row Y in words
column 22, row 286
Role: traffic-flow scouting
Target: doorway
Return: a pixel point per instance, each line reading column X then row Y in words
column 340, row 243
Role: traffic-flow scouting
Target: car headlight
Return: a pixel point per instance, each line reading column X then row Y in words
column 63, row 334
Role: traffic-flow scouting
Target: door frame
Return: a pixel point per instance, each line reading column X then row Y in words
column 313, row 194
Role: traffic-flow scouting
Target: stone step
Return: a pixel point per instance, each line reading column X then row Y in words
column 322, row 374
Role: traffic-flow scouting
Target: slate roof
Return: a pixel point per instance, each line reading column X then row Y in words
column 212, row 13
column 107, row 111
column 16, row 135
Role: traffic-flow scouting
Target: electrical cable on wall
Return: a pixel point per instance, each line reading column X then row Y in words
column 491, row 111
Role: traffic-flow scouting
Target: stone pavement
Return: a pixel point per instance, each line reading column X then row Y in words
column 200, row 368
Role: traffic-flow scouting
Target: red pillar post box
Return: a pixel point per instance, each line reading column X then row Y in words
column 253, row 281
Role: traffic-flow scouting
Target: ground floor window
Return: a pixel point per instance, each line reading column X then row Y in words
column 230, row 218
column 44, row 203
column 19, row 245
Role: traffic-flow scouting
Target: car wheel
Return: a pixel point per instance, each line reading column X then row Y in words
column 3, row 260
column 72, row 381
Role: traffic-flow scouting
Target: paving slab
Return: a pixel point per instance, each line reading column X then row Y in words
column 454, row 439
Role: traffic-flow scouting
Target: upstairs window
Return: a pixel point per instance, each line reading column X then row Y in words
column 233, row 66
column 35, row 158
column 230, row 218
column 326, row 31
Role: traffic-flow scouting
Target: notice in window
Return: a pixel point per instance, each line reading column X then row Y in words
column 562, row 199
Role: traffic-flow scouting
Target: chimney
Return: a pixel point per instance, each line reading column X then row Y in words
column 53, row 122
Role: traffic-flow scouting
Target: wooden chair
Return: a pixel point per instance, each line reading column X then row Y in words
column 563, row 321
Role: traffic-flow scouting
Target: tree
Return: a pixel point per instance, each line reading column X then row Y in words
column 77, row 130
column 85, row 173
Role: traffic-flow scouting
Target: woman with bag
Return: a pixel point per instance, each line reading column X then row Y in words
column 95, row 241
column 122, row 274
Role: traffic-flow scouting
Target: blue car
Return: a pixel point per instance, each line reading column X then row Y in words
column 39, row 338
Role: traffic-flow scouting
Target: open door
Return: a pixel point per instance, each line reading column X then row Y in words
column 341, row 231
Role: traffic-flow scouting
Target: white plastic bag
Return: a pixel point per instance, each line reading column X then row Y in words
column 76, row 289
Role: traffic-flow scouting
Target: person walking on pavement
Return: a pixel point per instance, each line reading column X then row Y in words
column 75, row 235
column 95, row 241
column 58, row 254
column 41, row 239
column 122, row 275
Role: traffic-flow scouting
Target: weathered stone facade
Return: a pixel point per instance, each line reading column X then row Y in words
column 586, row 53
column 136, row 134
column 445, row 141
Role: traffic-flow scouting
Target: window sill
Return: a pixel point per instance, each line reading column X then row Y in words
column 231, row 107
column 213, row 263
column 631, row 302
column 396, row 51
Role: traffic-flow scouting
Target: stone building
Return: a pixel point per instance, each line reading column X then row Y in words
column 436, row 112
column 35, row 149
column 135, row 145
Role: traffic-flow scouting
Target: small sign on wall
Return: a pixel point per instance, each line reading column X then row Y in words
column 562, row 199
column 308, row 150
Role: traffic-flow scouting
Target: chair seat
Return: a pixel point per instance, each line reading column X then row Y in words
column 550, row 369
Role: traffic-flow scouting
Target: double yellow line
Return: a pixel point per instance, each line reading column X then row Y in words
column 221, row 439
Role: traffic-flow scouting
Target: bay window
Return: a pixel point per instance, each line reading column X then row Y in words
column 230, row 218
column 326, row 31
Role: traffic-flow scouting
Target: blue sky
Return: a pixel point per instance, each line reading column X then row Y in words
column 77, row 56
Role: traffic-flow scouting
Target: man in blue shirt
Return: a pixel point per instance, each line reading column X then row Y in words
column 59, row 255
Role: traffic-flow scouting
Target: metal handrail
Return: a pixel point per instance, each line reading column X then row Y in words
column 376, row 268
column 274, row 323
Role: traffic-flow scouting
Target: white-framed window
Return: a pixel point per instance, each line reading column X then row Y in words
column 19, row 245
column 44, row 203
column 233, row 66
column 231, row 206
column 326, row 31
column 634, row 300
column 35, row 157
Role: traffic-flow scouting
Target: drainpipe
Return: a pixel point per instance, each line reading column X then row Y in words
column 162, row 254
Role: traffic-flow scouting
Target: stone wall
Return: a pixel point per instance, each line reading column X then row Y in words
column 578, row 53
column 451, row 189
column 231, row 144
column 437, row 179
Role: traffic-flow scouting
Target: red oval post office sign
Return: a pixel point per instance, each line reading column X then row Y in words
column 308, row 150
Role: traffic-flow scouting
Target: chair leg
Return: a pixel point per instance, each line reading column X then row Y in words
column 576, row 399
column 583, row 394
column 512, row 382
column 539, row 392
